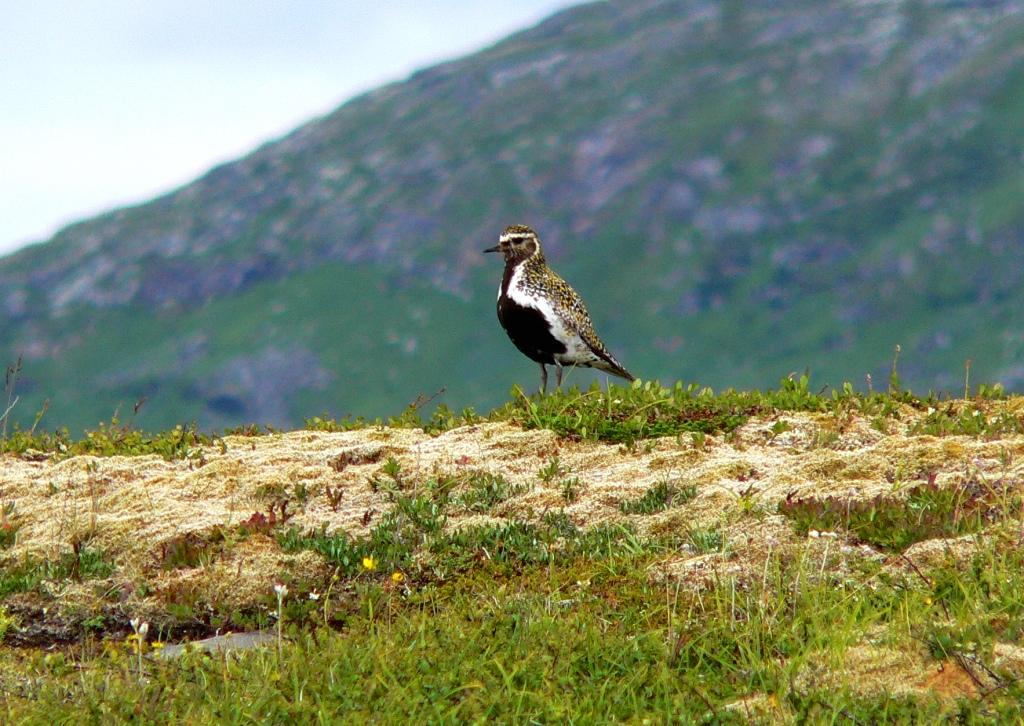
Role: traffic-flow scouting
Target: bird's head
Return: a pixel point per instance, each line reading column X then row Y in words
column 518, row 242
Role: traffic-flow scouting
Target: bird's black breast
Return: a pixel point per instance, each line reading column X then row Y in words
column 529, row 331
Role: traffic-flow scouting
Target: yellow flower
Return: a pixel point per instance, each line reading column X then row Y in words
column 369, row 564
column 157, row 644
column 397, row 577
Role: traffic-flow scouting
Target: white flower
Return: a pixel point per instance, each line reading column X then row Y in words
column 281, row 589
column 314, row 595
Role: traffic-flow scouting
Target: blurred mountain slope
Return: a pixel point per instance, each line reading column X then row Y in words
column 738, row 189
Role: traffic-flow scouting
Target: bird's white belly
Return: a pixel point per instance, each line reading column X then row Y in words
column 577, row 352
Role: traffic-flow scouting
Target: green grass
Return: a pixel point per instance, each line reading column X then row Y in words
column 29, row 572
column 925, row 511
column 646, row 409
column 659, row 497
column 705, row 540
column 548, row 621
column 948, row 419
column 484, row 491
column 563, row 596
column 588, row 637
column 615, row 414
column 411, row 539
column 111, row 439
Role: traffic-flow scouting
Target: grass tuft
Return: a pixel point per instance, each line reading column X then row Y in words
column 659, row 497
column 923, row 511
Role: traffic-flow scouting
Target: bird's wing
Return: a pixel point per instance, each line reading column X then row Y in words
column 574, row 315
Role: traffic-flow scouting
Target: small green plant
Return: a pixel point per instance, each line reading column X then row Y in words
column 95, row 623
column 84, row 563
column 301, row 492
column 327, row 423
column 272, row 491
column 992, row 392
column 484, row 491
column 393, row 469
column 659, row 497
column 337, row 548
column 955, row 418
column 551, row 471
column 7, row 621
column 27, row 573
column 412, row 523
column 894, row 376
column 422, row 513
column 391, row 480
column 113, row 439
column 825, row 437
column 746, row 500
column 442, row 419
column 570, row 489
column 704, row 541
column 779, row 427
column 894, row 522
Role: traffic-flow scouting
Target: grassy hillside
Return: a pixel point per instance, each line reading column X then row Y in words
column 640, row 554
column 739, row 190
column 269, row 353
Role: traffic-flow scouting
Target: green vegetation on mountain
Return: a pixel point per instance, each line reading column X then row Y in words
column 739, row 190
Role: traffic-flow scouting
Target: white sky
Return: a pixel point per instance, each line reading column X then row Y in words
column 111, row 102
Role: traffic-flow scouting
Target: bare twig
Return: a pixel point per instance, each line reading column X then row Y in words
column 926, row 582
column 10, row 381
column 7, row 411
column 422, row 400
column 962, row 661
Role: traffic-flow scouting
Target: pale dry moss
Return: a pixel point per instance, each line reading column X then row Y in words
column 244, row 575
column 762, row 709
column 876, row 670
column 1009, row 658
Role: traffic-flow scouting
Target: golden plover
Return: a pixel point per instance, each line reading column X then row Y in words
column 542, row 314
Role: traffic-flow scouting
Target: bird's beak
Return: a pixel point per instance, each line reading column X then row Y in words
column 496, row 248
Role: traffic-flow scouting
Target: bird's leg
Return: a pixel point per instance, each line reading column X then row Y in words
column 558, row 375
column 543, row 379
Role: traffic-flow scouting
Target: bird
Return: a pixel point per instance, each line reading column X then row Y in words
column 543, row 316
